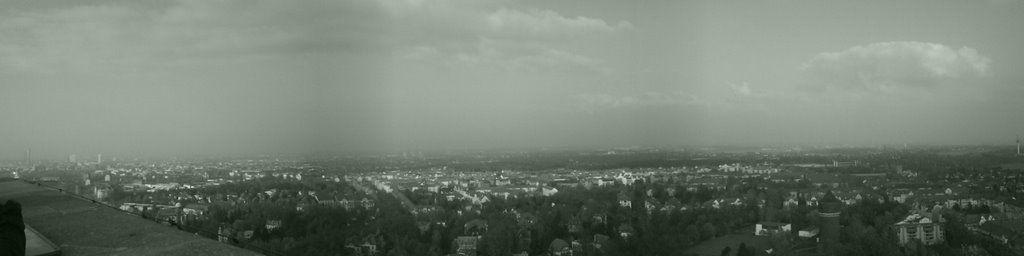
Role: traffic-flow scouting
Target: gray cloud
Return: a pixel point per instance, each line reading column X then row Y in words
column 506, row 38
column 128, row 38
column 540, row 22
column 139, row 38
column 600, row 101
column 229, row 75
column 888, row 66
column 505, row 55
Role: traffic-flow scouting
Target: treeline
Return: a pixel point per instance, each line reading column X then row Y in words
column 530, row 224
column 393, row 231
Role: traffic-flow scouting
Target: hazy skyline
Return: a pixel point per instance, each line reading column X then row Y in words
column 173, row 77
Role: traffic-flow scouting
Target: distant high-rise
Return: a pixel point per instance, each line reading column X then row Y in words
column 828, row 209
column 72, row 158
column 101, row 192
column 28, row 155
column 1018, row 146
column 99, row 158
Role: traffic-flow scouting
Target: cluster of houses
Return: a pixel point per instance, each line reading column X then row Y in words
column 347, row 203
column 748, row 169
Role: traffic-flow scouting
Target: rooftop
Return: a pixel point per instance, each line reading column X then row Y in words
column 829, row 197
column 1008, row 228
column 772, row 224
column 917, row 218
column 79, row 227
column 38, row 245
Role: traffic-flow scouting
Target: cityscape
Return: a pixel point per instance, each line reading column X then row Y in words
column 512, row 128
column 921, row 200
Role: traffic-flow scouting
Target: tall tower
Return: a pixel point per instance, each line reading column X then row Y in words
column 1018, row 146
column 828, row 209
column 99, row 158
column 72, row 158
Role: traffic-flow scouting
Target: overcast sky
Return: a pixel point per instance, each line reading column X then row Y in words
column 171, row 77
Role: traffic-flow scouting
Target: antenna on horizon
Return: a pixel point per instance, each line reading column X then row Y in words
column 1019, row 145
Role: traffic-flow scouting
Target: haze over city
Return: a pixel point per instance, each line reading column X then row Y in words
column 195, row 77
column 512, row 127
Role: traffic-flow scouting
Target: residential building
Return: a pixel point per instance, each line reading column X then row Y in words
column 926, row 228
